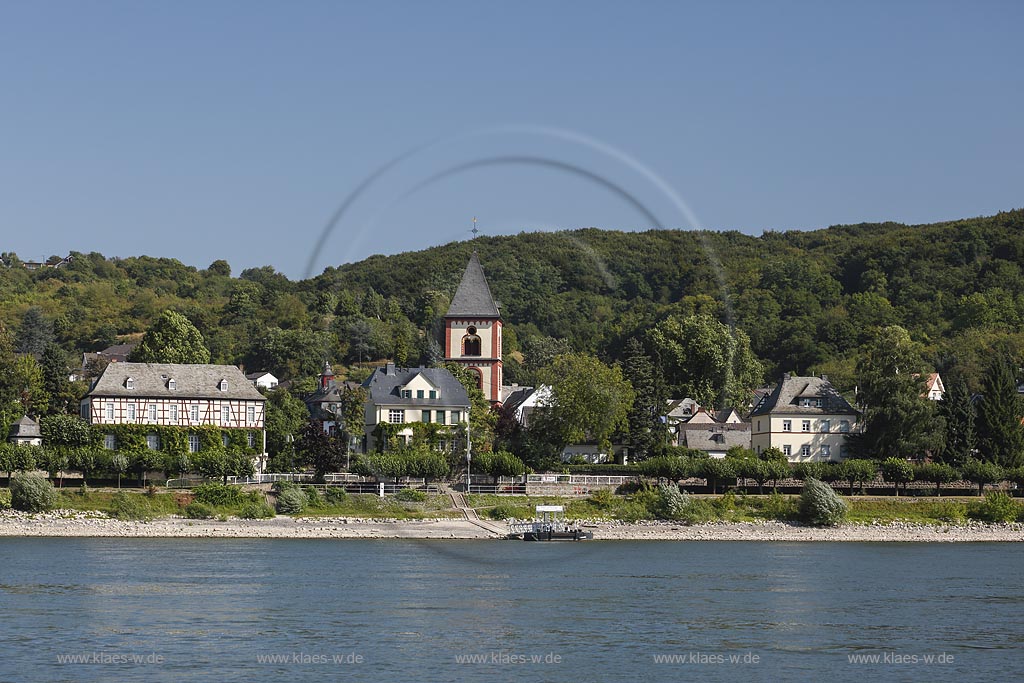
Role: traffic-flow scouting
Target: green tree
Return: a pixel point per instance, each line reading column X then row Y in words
column 285, row 418
column 648, row 432
column 588, row 401
column 54, row 366
column 499, row 464
column 171, row 339
column 706, row 360
column 1000, row 435
column 119, row 464
column 898, row 471
column 34, row 333
column 938, row 473
column 858, row 472
column 958, row 412
column 981, row 472
column 898, row 421
column 318, row 449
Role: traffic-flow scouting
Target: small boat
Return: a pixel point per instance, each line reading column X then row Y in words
column 551, row 526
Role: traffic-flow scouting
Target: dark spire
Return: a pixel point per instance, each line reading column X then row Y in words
column 473, row 297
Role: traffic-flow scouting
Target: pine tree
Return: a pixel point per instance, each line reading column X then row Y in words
column 34, row 333
column 647, row 432
column 958, row 411
column 1000, row 435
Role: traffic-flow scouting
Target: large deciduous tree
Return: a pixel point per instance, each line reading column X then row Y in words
column 704, row 359
column 171, row 339
column 898, row 421
column 589, row 401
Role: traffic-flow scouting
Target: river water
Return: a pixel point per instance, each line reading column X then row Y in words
column 401, row 610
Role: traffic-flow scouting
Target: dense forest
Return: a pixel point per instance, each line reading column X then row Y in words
column 807, row 300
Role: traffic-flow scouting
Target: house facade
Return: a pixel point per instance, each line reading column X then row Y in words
column 402, row 397
column 805, row 418
column 178, row 395
column 262, row 380
column 472, row 330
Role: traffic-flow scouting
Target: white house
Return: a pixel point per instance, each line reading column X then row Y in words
column 402, row 396
column 26, row 432
column 262, row 380
column 805, row 418
column 177, row 395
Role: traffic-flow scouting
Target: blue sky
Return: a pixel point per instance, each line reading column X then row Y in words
column 230, row 130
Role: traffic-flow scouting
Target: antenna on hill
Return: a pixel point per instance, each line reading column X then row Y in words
column 475, row 230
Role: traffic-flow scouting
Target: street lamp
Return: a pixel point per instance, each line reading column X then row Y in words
column 469, row 456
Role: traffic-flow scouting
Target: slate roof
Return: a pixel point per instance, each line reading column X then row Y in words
column 785, row 398
column 473, row 297
column 191, row 381
column 25, row 427
column 385, row 389
column 716, row 439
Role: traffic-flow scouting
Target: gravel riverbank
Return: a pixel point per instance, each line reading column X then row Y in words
column 68, row 523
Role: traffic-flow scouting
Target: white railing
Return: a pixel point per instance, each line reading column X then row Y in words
column 579, row 479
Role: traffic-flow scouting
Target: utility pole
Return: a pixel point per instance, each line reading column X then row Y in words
column 469, row 455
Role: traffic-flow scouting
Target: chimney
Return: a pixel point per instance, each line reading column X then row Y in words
column 389, row 369
column 785, row 375
column 824, row 378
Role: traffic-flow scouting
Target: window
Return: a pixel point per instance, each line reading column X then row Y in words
column 440, row 417
column 433, row 394
column 844, row 426
column 787, row 450
column 843, row 452
column 131, row 411
column 250, row 439
column 456, row 417
column 406, row 393
column 425, row 416
column 173, row 412
column 84, row 411
column 758, row 425
column 250, row 414
column 826, row 426
column 193, row 443
column 109, row 442
column 153, row 442
column 826, row 451
column 193, row 413
column 110, row 411
column 805, row 425
column 225, row 414
column 396, row 417
column 129, row 383
column 151, row 412
column 419, row 393
column 787, row 425
column 805, row 450
column 225, row 439
column 171, row 384
column 223, row 385
column 471, row 343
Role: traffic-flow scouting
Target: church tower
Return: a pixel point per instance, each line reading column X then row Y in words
column 472, row 330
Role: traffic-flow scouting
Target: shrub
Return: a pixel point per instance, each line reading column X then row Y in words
column 950, row 511
column 725, row 503
column 335, row 495
column 32, row 493
column 411, row 496
column 997, row 507
column 820, row 505
column 780, row 507
column 221, row 495
column 256, row 510
column 5, row 499
column 281, row 486
column 313, row 497
column 671, row 503
column 602, row 499
column 197, row 510
column 130, row 506
column 500, row 512
column 291, row 500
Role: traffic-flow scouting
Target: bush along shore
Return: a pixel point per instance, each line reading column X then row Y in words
column 32, row 507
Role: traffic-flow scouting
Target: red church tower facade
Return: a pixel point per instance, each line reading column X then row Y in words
column 472, row 330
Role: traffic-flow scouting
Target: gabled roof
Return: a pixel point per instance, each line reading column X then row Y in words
column 473, row 297
column 25, row 427
column 385, row 386
column 191, row 381
column 716, row 439
column 785, row 398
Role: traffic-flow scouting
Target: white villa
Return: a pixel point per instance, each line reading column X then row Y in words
column 805, row 418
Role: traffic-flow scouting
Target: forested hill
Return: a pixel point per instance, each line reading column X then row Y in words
column 807, row 300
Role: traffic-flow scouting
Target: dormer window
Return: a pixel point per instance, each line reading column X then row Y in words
column 129, row 383
column 171, row 384
column 223, row 385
